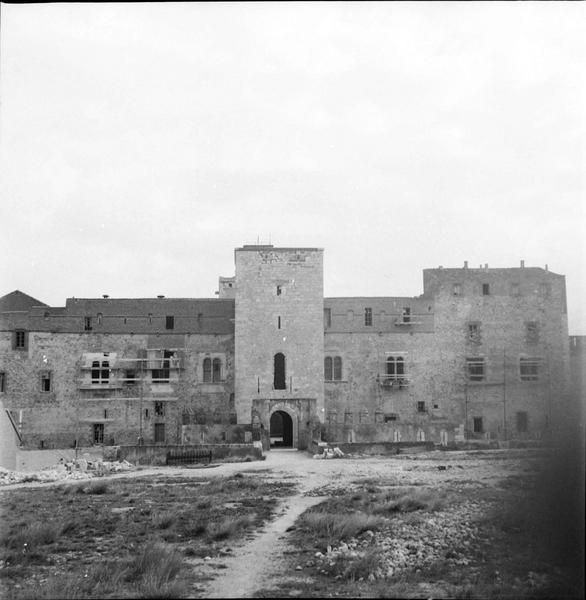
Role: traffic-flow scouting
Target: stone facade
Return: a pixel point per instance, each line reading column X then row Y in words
column 483, row 354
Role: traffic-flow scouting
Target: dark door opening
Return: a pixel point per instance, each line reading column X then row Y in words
column 281, row 430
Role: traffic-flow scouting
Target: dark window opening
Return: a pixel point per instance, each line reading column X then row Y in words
column 105, row 371
column 207, row 370
column 529, row 369
column 161, row 375
column 45, row 382
column 96, row 371
column 2, row 381
column 100, row 371
column 216, row 370
column 278, row 322
column 279, row 290
column 475, row 369
column 421, row 407
column 477, row 424
column 159, row 409
column 333, row 368
column 485, row 289
column 130, row 376
column 20, row 339
column 159, row 432
column 169, row 322
column 395, row 368
column 368, row 316
column 390, row 417
column 327, row 317
column 98, row 433
column 279, row 379
column 406, row 314
column 87, row 323
column 105, row 413
column 281, row 429
column 146, row 413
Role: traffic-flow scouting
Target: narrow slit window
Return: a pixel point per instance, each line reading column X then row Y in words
column 485, row 289
column 279, row 378
column 46, row 381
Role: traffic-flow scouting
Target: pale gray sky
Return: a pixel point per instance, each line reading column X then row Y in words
column 141, row 143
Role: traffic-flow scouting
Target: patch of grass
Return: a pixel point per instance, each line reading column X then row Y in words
column 163, row 520
column 229, row 527
column 408, row 501
column 335, row 527
column 360, row 567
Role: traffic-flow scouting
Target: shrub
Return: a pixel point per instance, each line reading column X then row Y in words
column 408, row 501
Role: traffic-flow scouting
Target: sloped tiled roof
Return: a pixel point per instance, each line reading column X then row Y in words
column 18, row 301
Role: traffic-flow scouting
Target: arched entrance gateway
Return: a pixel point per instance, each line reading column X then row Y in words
column 281, row 429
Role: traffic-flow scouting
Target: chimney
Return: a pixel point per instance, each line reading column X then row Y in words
column 465, row 264
column 486, row 265
column 522, row 264
column 546, row 267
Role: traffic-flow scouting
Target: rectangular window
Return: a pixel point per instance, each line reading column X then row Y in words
column 161, row 374
column 98, row 433
column 532, row 332
column 327, row 317
column 2, row 382
column 421, row 407
column 368, row 316
column 279, row 290
column 475, row 369
column 278, row 322
column 159, row 432
column 406, row 314
column 390, row 417
column 477, row 424
column 485, row 289
column 46, row 381
column 529, row 369
column 20, row 339
column 522, row 422
column 169, row 322
column 333, row 368
column 159, row 409
column 474, row 333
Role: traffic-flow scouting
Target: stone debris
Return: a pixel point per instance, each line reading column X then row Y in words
column 330, row 453
column 77, row 469
column 405, row 547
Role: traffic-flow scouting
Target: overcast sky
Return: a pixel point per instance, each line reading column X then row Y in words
column 141, row 143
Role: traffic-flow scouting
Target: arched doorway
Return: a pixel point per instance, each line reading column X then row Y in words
column 281, row 429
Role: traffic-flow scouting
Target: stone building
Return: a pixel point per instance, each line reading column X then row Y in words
column 480, row 354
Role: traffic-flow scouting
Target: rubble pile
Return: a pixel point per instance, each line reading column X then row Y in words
column 76, row 469
column 448, row 536
column 330, row 453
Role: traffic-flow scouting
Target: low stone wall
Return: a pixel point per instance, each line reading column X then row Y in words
column 157, row 455
column 384, row 448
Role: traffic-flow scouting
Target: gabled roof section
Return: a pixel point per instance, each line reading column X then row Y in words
column 18, row 301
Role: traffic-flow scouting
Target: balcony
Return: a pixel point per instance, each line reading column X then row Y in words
column 392, row 381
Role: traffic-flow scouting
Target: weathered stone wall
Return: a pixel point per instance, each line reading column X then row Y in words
column 68, row 412
column 279, row 309
column 359, row 408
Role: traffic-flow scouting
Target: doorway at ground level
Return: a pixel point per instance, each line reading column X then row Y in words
column 281, row 429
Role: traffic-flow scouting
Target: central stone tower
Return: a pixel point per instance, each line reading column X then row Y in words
column 279, row 339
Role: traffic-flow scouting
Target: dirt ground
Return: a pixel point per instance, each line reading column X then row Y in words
column 276, row 560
